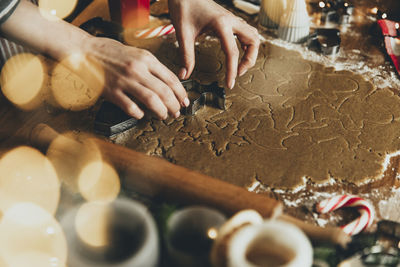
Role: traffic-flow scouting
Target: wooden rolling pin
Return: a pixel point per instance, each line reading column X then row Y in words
column 156, row 177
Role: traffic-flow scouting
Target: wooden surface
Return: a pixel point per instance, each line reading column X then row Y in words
column 17, row 124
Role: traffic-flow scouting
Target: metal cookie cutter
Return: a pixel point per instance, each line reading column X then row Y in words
column 325, row 41
column 206, row 95
column 111, row 120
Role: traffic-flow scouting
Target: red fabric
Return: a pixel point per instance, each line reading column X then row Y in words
column 389, row 32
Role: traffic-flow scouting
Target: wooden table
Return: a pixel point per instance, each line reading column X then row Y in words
column 16, row 123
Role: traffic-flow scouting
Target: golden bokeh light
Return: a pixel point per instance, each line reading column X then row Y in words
column 35, row 259
column 26, row 175
column 58, row 8
column 69, row 153
column 77, row 82
column 99, row 181
column 27, row 227
column 2, row 262
column 23, row 80
column 212, row 233
column 92, row 223
column 374, row 10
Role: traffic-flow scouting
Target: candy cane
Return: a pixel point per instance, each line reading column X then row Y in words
column 361, row 223
column 155, row 32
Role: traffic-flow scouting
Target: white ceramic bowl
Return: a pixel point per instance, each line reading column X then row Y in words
column 273, row 243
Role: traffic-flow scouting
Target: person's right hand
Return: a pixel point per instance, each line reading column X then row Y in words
column 135, row 72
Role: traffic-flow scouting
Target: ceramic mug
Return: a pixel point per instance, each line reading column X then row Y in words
column 272, row 243
column 190, row 234
column 119, row 234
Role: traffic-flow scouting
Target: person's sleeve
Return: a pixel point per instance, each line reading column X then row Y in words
column 7, row 7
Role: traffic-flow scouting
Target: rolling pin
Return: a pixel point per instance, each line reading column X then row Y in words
column 156, row 177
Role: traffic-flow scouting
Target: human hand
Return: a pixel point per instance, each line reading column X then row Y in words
column 129, row 71
column 135, row 72
column 193, row 17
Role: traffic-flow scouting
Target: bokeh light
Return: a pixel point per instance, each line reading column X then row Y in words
column 374, row 10
column 58, row 8
column 23, row 80
column 77, row 82
column 26, row 175
column 35, row 259
column 69, row 154
column 92, row 223
column 99, row 181
column 135, row 14
column 212, row 233
column 2, row 262
column 27, row 227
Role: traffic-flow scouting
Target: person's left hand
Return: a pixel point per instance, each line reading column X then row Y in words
column 193, row 17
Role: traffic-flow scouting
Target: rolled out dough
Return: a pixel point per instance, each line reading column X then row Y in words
column 286, row 119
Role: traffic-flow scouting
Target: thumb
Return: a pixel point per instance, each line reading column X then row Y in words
column 186, row 40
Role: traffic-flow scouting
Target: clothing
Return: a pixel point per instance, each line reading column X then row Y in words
column 8, row 48
column 7, row 7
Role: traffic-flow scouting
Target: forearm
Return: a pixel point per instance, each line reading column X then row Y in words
column 30, row 28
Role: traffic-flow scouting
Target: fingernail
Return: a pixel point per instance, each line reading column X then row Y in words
column 177, row 114
column 232, row 84
column 135, row 112
column 140, row 114
column 182, row 73
column 242, row 72
column 186, row 102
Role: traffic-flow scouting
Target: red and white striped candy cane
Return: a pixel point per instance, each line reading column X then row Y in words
column 365, row 208
column 155, row 32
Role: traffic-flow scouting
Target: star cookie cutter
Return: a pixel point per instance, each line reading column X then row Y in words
column 325, row 40
column 208, row 95
column 111, row 120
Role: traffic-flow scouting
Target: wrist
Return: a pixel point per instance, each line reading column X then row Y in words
column 71, row 41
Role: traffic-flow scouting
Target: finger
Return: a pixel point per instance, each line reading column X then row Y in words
column 149, row 98
column 126, row 104
column 170, row 79
column 248, row 37
column 164, row 92
column 248, row 60
column 231, row 50
column 186, row 40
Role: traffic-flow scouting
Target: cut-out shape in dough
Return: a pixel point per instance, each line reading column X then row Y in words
column 286, row 119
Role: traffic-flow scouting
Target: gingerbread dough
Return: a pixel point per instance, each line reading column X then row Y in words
column 286, row 119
